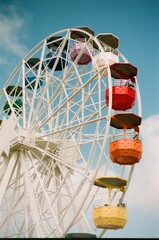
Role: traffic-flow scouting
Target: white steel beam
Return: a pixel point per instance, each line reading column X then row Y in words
column 7, row 176
column 32, row 198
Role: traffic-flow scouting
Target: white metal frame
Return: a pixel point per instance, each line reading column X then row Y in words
column 61, row 147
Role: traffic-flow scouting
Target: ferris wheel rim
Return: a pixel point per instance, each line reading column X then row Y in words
column 64, row 105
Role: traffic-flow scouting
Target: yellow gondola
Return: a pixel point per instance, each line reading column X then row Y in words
column 110, row 217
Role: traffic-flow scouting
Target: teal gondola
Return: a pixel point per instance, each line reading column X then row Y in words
column 30, row 81
column 17, row 105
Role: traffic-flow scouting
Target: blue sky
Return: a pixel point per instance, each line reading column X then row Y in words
column 24, row 23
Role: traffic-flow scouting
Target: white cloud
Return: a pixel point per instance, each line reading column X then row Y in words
column 12, row 28
column 143, row 192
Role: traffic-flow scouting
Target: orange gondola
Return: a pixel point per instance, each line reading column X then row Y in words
column 126, row 151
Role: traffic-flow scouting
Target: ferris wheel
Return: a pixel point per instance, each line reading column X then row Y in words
column 68, row 117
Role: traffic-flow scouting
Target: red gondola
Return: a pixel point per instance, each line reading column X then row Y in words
column 124, row 94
